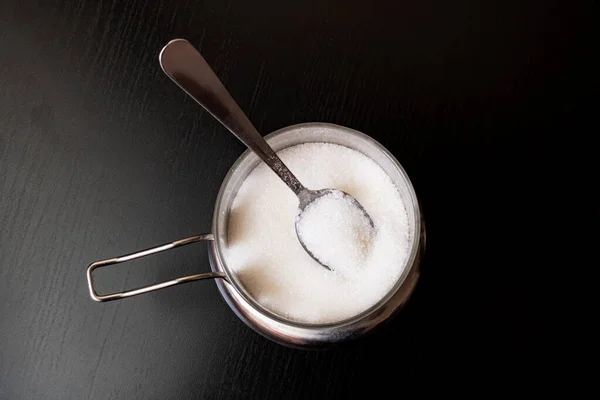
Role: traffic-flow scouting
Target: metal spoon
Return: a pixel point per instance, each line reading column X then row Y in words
column 188, row 69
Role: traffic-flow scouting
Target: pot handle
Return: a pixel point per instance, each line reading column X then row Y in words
column 167, row 246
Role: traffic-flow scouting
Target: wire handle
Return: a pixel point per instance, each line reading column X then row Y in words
column 167, row 246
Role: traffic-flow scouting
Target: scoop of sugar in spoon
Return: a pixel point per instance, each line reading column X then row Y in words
column 337, row 232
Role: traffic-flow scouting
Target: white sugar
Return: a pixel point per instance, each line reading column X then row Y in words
column 336, row 232
column 266, row 256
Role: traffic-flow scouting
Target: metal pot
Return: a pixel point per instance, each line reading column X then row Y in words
column 263, row 321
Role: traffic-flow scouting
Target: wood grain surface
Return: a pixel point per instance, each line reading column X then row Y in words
column 101, row 155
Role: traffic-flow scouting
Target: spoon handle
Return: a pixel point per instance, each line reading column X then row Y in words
column 188, row 69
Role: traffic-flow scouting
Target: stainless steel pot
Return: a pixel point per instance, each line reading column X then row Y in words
column 263, row 321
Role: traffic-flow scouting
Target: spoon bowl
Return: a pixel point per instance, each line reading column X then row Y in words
column 310, row 197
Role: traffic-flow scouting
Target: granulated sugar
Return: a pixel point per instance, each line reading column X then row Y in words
column 266, row 256
column 336, row 232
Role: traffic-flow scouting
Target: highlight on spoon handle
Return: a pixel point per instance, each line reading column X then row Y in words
column 188, row 69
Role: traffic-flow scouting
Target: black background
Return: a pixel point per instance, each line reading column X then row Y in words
column 101, row 155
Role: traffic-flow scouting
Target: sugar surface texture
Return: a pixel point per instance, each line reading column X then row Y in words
column 264, row 253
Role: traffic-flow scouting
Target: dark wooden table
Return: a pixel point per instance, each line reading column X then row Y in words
column 101, row 155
